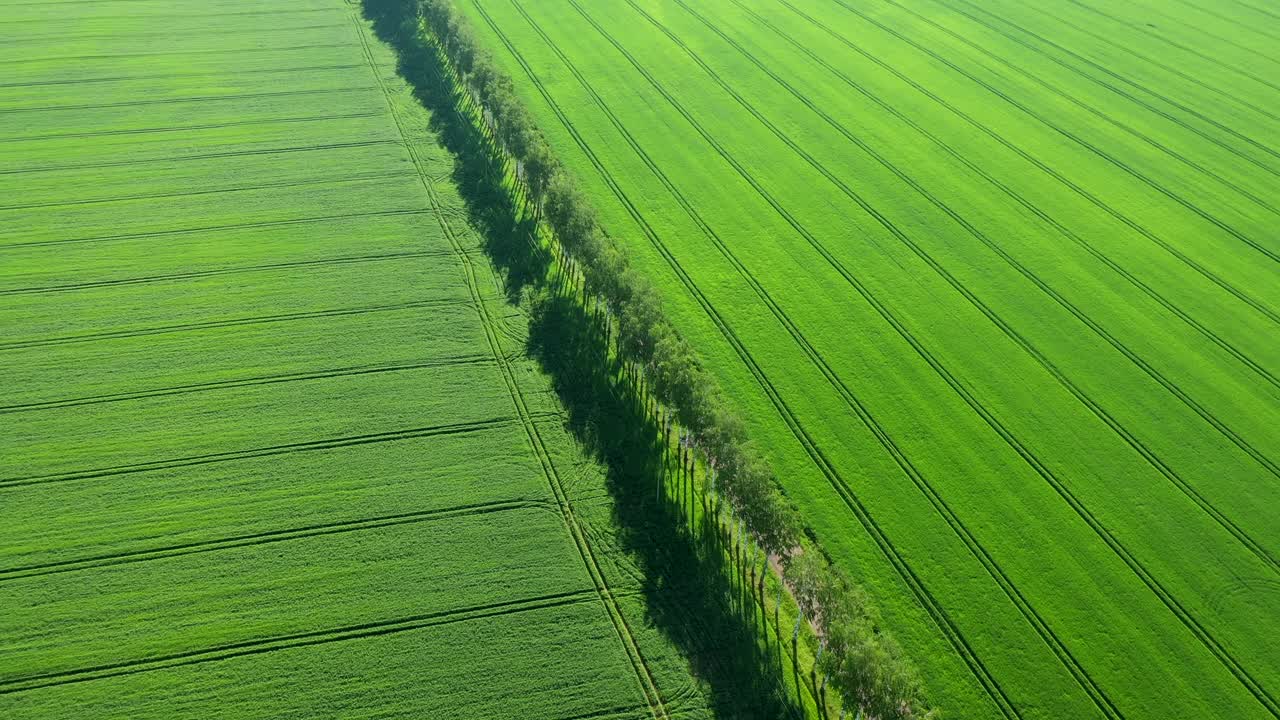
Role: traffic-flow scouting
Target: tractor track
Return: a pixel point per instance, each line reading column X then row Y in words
column 923, row 596
column 230, row 322
column 261, row 538
column 1185, row 48
column 1094, row 200
column 179, row 159
column 1191, row 623
column 199, row 274
column 216, row 228
column 292, row 641
column 460, row 428
column 1133, row 83
column 1254, row 546
column 1008, row 330
column 193, row 99
column 191, row 388
column 186, row 128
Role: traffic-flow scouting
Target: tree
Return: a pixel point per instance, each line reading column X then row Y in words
column 864, row 664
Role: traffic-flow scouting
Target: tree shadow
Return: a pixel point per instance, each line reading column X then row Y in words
column 691, row 593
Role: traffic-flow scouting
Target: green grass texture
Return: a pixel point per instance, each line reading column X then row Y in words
column 995, row 286
column 273, row 445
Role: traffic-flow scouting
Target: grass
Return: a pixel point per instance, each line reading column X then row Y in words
column 280, row 440
column 997, row 297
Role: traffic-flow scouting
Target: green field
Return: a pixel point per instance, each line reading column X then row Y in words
column 995, row 286
column 272, row 443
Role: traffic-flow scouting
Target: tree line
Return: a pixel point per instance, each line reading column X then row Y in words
column 856, row 657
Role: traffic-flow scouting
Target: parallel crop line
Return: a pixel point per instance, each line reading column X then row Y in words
column 644, row 674
column 1079, row 673
column 178, row 159
column 232, row 322
column 1215, row 648
column 1180, row 46
column 204, row 32
column 1150, row 371
column 1229, row 20
column 286, row 642
column 1066, row 232
column 242, row 382
column 1117, row 162
column 959, row 219
column 272, row 450
column 215, row 228
column 43, row 3
column 1008, row 330
column 169, row 16
column 913, row 582
column 174, row 101
column 93, row 285
column 1253, row 545
column 1201, row 29
column 1255, row 8
column 227, row 51
column 214, row 191
column 178, row 76
column 1169, row 69
column 652, row 235
column 1127, row 128
column 1076, row 71
column 185, row 128
column 1167, row 598
column 1132, row 224
column 261, row 538
column 1044, row 168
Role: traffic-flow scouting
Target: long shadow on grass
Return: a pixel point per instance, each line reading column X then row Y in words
column 686, row 585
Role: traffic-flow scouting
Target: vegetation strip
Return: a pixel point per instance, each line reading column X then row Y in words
column 176, row 76
column 979, row 552
column 197, row 99
column 271, row 536
column 837, row 482
column 308, row 446
column 200, row 156
column 1124, row 350
column 187, row 327
column 644, row 675
column 388, row 257
column 656, row 345
column 215, row 228
column 299, row 640
column 243, row 382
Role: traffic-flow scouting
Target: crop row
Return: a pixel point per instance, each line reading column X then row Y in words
column 683, row 263
column 270, row 418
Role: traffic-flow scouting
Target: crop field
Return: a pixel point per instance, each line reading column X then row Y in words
column 272, row 445
column 995, row 285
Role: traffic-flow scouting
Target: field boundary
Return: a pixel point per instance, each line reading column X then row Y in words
column 922, row 595
column 644, row 676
